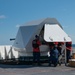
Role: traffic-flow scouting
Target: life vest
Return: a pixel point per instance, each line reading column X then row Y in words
column 35, row 45
column 69, row 45
column 56, row 43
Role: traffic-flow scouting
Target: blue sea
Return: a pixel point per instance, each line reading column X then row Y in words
column 73, row 45
column 73, row 48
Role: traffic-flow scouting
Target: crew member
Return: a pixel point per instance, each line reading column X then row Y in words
column 68, row 50
column 36, row 50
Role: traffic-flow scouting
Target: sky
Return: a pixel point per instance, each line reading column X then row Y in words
column 14, row 13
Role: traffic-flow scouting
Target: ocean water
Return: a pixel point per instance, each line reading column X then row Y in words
column 73, row 48
column 73, row 45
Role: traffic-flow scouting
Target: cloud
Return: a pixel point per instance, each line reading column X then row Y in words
column 17, row 25
column 65, row 26
column 2, row 16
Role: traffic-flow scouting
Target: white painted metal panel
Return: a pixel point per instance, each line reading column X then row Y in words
column 23, row 36
column 7, row 52
column 54, row 33
column 19, row 40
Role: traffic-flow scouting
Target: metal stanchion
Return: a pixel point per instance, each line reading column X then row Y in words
column 65, row 51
